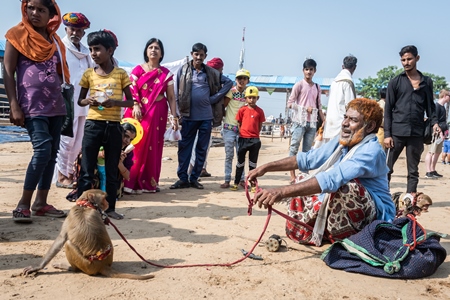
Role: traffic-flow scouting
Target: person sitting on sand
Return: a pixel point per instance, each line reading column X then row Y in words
column 349, row 189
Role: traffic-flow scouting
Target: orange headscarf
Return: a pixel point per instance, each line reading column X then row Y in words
column 34, row 46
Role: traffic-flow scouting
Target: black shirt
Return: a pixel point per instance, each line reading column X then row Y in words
column 441, row 117
column 405, row 106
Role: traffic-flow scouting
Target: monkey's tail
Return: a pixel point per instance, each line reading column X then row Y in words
column 110, row 272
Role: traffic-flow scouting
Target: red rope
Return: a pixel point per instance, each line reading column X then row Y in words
column 415, row 243
column 107, row 221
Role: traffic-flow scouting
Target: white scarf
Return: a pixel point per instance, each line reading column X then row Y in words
column 80, row 54
column 319, row 226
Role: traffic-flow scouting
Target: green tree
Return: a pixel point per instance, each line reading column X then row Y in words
column 369, row 87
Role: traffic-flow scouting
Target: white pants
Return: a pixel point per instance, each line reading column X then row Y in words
column 69, row 148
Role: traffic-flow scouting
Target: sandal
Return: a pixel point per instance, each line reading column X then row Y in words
column 49, row 211
column 114, row 215
column 225, row 185
column 22, row 215
column 242, row 183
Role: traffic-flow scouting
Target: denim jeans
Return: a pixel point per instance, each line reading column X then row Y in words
column 230, row 139
column 109, row 135
column 189, row 130
column 44, row 134
column 299, row 133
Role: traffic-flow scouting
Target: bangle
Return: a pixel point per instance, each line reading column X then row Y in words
column 136, row 103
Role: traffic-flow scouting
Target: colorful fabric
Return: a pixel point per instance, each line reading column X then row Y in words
column 250, row 120
column 146, row 87
column 77, row 20
column 350, row 209
column 111, row 84
column 237, row 100
column 33, row 45
column 39, row 87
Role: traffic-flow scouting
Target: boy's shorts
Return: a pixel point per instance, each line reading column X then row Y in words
column 446, row 146
column 435, row 148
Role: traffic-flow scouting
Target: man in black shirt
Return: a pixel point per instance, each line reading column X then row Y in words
column 409, row 96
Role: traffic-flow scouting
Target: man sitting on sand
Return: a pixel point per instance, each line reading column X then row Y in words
column 349, row 189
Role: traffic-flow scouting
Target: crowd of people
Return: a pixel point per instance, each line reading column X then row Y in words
column 343, row 185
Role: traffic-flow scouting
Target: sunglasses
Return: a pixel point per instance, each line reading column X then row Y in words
column 241, row 77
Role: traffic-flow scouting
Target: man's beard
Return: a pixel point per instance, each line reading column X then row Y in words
column 354, row 139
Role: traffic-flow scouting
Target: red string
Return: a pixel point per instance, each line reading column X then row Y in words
column 107, row 221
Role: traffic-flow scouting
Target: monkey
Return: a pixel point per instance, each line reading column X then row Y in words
column 88, row 246
column 416, row 206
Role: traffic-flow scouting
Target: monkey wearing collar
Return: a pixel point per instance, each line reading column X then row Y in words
column 86, row 241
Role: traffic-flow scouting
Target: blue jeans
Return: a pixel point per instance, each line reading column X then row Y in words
column 299, row 133
column 188, row 132
column 109, row 135
column 230, row 139
column 44, row 133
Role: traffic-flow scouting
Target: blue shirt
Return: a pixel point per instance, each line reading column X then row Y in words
column 368, row 165
column 201, row 100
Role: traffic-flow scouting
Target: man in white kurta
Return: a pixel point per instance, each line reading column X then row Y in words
column 79, row 60
column 342, row 91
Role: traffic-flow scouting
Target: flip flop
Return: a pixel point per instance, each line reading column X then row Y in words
column 22, row 215
column 49, row 211
column 64, row 186
column 114, row 215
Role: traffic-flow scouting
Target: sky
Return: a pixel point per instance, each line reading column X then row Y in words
column 279, row 35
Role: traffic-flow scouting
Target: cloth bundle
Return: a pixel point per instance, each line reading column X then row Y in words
column 401, row 249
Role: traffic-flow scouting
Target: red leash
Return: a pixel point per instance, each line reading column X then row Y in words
column 107, row 221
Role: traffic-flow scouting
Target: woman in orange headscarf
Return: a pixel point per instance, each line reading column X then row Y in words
column 34, row 64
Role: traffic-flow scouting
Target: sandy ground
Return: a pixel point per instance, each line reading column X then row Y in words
column 191, row 226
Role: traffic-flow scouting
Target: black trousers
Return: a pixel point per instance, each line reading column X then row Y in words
column 252, row 146
column 414, row 149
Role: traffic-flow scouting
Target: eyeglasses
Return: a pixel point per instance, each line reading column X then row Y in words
column 241, row 77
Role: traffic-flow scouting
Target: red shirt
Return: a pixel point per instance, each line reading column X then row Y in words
column 250, row 120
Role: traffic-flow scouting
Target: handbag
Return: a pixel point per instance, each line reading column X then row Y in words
column 401, row 249
column 67, row 91
column 319, row 119
column 428, row 132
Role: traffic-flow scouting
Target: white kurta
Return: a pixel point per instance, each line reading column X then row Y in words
column 341, row 93
column 69, row 148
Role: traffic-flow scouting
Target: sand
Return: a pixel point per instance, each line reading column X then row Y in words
column 190, row 226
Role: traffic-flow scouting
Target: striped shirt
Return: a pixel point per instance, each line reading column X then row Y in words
column 112, row 85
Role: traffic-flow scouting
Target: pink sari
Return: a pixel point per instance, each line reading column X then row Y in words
column 145, row 87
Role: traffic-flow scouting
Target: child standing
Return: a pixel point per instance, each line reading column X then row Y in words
column 34, row 59
column 234, row 100
column 106, row 85
column 250, row 119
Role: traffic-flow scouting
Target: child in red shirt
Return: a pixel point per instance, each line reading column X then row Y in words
column 250, row 118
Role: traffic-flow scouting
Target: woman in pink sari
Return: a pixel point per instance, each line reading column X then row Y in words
column 153, row 90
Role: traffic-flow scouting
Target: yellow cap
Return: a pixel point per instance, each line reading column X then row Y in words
column 243, row 72
column 251, row 91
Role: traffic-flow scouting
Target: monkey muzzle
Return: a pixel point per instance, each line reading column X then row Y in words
column 274, row 242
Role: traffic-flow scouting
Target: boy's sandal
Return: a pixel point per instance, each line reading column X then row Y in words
column 22, row 215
